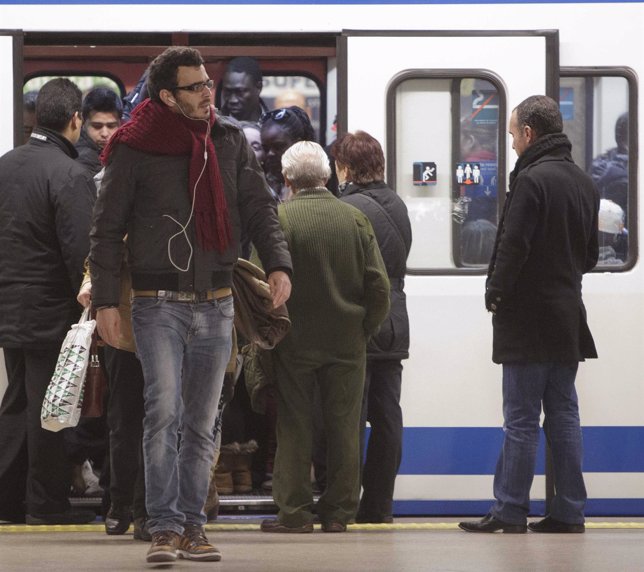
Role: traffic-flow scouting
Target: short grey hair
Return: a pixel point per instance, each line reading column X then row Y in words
column 306, row 165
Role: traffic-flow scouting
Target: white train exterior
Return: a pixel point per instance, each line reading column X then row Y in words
column 378, row 81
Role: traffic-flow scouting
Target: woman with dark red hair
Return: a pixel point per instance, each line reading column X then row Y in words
column 360, row 165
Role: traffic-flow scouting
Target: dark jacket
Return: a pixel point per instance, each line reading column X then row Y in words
column 88, row 153
column 139, row 194
column 46, row 200
column 546, row 241
column 388, row 215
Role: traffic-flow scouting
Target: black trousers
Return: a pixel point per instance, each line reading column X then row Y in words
column 125, row 421
column 381, row 407
column 35, row 475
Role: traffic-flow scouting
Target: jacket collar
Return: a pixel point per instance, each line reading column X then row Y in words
column 354, row 188
column 554, row 145
column 44, row 135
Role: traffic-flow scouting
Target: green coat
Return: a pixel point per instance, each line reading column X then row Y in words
column 340, row 286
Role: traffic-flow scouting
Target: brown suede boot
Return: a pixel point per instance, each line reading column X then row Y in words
column 223, row 470
column 241, row 467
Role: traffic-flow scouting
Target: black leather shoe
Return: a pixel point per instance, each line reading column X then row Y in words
column 363, row 518
column 141, row 531
column 492, row 524
column 75, row 516
column 274, row 525
column 550, row 524
column 118, row 520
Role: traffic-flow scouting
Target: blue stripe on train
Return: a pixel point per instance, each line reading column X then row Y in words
column 594, row 507
column 474, row 450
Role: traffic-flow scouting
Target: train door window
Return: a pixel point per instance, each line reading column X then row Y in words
column 599, row 107
column 287, row 90
column 84, row 82
column 449, row 140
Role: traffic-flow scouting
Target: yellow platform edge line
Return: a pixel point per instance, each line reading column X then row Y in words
column 25, row 528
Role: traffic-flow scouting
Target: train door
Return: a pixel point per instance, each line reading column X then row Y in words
column 10, row 56
column 439, row 103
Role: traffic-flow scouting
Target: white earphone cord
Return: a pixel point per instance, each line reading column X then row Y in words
column 194, row 195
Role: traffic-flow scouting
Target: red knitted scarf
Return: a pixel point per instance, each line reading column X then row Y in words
column 155, row 129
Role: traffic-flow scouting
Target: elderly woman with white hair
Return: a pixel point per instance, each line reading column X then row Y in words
column 340, row 296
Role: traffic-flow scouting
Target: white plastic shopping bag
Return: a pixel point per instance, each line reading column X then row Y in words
column 61, row 407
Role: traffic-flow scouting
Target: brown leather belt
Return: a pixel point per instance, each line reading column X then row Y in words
column 174, row 296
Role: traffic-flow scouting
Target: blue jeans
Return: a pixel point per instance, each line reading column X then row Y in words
column 183, row 349
column 525, row 388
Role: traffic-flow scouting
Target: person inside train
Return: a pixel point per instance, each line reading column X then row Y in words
column 610, row 169
column 477, row 242
column 281, row 128
column 241, row 87
column 539, row 319
column 28, row 114
column 340, row 297
column 360, row 165
column 176, row 157
column 102, row 112
column 46, row 200
column 613, row 235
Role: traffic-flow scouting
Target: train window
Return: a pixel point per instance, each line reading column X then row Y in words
column 84, row 82
column 284, row 90
column 599, row 110
column 448, row 136
column 287, row 90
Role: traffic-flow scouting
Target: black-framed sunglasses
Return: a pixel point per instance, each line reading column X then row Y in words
column 197, row 86
column 275, row 115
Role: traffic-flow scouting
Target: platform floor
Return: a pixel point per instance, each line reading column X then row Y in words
column 409, row 544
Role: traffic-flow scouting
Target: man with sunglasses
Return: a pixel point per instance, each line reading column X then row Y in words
column 181, row 183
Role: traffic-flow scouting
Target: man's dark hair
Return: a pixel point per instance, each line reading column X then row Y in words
column 29, row 101
column 103, row 100
column 245, row 65
column 163, row 69
column 621, row 131
column 57, row 102
column 541, row 113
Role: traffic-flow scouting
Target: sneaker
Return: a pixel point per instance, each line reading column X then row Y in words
column 195, row 546
column 92, row 489
column 141, row 531
column 164, row 546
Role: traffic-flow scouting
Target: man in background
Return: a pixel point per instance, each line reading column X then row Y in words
column 240, row 90
column 102, row 112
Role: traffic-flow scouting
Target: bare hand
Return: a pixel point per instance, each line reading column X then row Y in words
column 85, row 294
column 280, row 285
column 108, row 322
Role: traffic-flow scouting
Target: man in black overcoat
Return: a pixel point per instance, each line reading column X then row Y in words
column 546, row 241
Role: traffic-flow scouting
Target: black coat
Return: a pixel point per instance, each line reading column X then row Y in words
column 88, row 153
column 546, row 241
column 390, row 221
column 46, row 200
